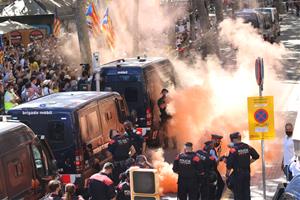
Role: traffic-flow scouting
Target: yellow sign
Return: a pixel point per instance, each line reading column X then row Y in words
column 261, row 118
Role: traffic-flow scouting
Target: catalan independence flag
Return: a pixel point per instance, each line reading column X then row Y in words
column 93, row 19
column 108, row 30
column 56, row 24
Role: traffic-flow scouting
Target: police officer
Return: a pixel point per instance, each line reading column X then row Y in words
column 100, row 186
column 119, row 148
column 216, row 153
column 187, row 165
column 207, row 179
column 239, row 160
column 137, row 140
column 164, row 117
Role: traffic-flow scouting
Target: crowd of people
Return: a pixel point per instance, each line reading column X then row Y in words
column 29, row 72
column 111, row 180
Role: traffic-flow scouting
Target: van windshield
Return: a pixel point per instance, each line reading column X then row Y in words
column 248, row 18
column 127, row 74
column 129, row 83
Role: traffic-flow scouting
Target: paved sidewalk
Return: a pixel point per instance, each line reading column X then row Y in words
column 274, row 176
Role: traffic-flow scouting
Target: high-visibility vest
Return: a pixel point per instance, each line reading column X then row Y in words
column 7, row 104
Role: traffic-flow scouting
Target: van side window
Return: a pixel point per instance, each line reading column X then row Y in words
column 93, row 124
column 121, row 110
column 38, row 160
column 56, row 131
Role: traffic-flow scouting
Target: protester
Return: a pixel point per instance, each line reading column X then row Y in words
column 70, row 193
column 46, row 88
column 288, row 151
column 55, row 191
column 39, row 61
column 10, row 98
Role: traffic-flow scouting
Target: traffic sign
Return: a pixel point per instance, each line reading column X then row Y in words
column 261, row 115
column 261, row 118
column 259, row 71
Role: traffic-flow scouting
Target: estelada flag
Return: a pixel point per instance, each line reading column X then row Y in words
column 56, row 24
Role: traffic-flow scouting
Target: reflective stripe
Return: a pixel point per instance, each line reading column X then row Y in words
column 8, row 106
column 69, row 178
column 102, row 178
column 143, row 131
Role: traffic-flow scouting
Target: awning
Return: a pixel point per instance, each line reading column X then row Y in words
column 8, row 26
column 22, row 7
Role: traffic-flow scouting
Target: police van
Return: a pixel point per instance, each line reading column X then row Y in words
column 26, row 162
column 77, row 126
column 259, row 21
column 140, row 81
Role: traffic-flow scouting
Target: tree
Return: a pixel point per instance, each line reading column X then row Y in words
column 202, row 7
column 279, row 6
column 219, row 10
column 83, row 35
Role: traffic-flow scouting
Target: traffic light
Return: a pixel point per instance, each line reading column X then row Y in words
column 144, row 184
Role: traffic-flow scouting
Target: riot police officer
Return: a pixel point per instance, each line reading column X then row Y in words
column 137, row 140
column 187, row 165
column 208, row 179
column 239, row 160
column 120, row 148
column 216, row 153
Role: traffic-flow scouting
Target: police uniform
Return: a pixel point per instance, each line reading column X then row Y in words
column 215, row 152
column 187, row 166
column 208, row 177
column 164, row 117
column 136, row 140
column 239, row 160
column 100, row 186
column 119, row 147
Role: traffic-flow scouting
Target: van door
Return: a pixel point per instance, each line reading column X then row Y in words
column 18, row 167
column 109, row 117
column 90, row 126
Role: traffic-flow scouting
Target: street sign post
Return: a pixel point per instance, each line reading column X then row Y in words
column 261, row 117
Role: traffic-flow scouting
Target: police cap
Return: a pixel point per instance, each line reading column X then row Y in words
column 215, row 136
column 208, row 143
column 235, row 135
column 188, row 144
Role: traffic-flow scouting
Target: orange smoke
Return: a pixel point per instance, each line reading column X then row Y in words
column 167, row 178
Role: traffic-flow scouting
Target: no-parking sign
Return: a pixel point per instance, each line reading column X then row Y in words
column 261, row 118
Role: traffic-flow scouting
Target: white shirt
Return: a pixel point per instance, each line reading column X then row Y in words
column 288, row 151
column 295, row 168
